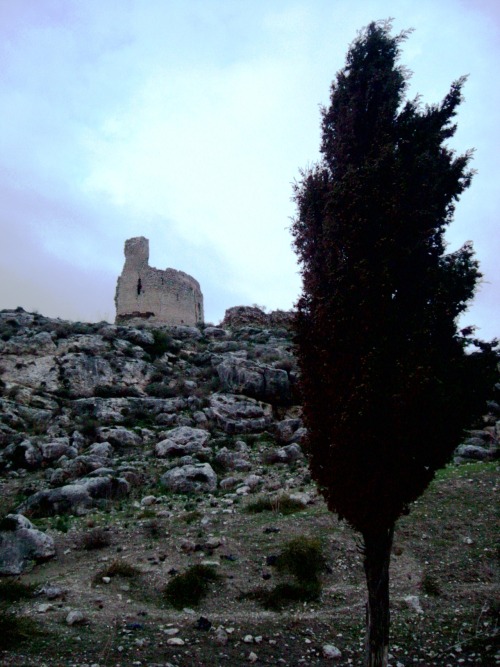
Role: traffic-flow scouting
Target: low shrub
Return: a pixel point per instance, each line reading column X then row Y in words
column 118, row 568
column 15, row 629
column 281, row 504
column 190, row 587
column 303, row 558
column 115, row 391
column 97, row 538
column 12, row 590
column 284, row 594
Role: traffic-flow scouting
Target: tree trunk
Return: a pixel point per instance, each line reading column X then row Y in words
column 377, row 553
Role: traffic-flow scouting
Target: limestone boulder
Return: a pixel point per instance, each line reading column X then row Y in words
column 119, row 437
column 40, row 344
column 76, row 498
column 286, row 429
column 287, row 454
column 237, row 414
column 264, row 383
column 21, row 544
column 229, row 460
column 183, row 441
column 190, row 479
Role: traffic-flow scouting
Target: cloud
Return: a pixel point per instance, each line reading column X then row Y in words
column 188, row 122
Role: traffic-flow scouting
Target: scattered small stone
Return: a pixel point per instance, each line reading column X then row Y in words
column 75, row 617
column 413, row 602
column 331, row 652
column 106, row 580
column 221, row 636
column 252, row 657
column 248, row 639
column 175, row 641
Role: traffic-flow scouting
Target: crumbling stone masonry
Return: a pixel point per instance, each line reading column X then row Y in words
column 145, row 295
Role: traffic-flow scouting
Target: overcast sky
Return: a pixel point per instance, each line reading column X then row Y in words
column 187, row 121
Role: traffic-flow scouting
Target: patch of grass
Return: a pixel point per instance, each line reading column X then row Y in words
column 118, row 568
column 163, row 342
column 115, row 391
column 430, row 585
column 303, row 558
column 15, row 629
column 12, row 590
column 191, row 517
column 62, row 523
column 190, row 587
column 284, row 594
column 282, row 504
column 97, row 538
column 160, row 390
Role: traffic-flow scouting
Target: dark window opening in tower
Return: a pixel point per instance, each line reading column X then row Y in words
column 139, row 287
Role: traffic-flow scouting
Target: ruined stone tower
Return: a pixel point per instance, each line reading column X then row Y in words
column 150, row 296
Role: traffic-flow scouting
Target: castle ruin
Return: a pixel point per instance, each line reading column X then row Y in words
column 145, row 295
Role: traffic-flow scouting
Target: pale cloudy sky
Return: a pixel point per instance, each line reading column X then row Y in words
column 187, row 121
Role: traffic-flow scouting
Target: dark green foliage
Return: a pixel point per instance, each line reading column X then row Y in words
column 12, row 590
column 284, row 594
column 282, row 504
column 118, row 568
column 430, row 584
column 7, row 523
column 160, row 390
column 190, row 587
column 15, row 629
column 302, row 558
column 163, row 342
column 387, row 383
column 115, row 391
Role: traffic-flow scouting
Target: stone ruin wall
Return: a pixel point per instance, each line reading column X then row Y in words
column 145, row 295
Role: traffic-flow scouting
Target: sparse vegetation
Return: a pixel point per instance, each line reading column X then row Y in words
column 97, row 538
column 190, row 587
column 281, row 504
column 13, row 590
column 118, row 568
column 15, row 630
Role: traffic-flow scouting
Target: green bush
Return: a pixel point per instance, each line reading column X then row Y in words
column 12, row 590
column 118, row 568
column 160, row 390
column 163, row 342
column 115, row 391
column 190, row 587
column 282, row 504
column 303, row 558
column 15, row 629
column 97, row 538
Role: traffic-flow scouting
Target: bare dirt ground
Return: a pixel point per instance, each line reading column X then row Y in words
column 444, row 585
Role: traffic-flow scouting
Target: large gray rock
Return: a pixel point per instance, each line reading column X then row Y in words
column 229, row 460
column 21, row 543
column 117, row 410
column 236, row 414
column 190, row 479
column 264, row 383
column 183, row 441
column 287, row 454
column 76, row 498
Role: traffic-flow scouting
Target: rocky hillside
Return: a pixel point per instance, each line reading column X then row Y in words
column 146, row 444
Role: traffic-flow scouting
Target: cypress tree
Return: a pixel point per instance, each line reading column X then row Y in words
column 387, row 379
